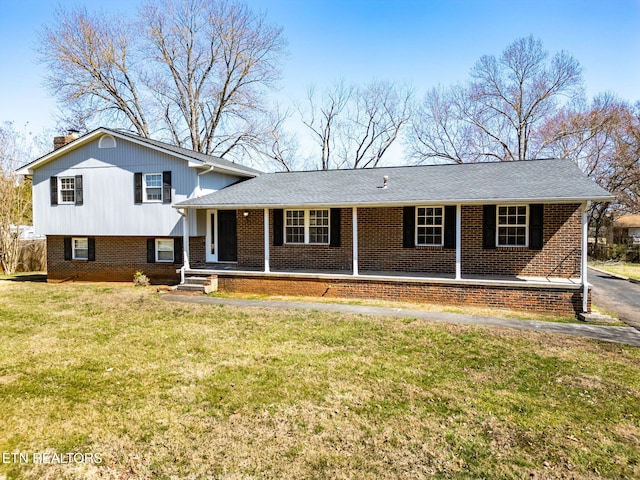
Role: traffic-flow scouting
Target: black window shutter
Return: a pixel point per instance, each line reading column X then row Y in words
column 68, row 255
column 151, row 250
column 536, row 230
column 92, row 249
column 489, row 227
column 450, row 226
column 79, row 190
column 177, row 250
column 334, row 241
column 53, row 185
column 137, row 187
column 409, row 227
column 278, row 227
column 166, row 187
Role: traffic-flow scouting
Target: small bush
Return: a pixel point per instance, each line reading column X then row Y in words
column 140, row 280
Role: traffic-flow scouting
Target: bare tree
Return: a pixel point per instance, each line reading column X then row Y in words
column 194, row 69
column 604, row 139
column 279, row 145
column 90, row 60
column 354, row 127
column 497, row 114
column 378, row 113
column 15, row 208
column 324, row 119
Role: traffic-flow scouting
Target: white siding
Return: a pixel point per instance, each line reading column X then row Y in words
column 109, row 207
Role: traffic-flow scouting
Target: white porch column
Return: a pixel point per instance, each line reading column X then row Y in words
column 458, row 242
column 185, row 238
column 583, row 266
column 354, row 221
column 266, row 241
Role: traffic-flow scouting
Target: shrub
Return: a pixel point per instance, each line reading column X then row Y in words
column 140, row 279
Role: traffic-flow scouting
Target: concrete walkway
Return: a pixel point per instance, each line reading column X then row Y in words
column 625, row 335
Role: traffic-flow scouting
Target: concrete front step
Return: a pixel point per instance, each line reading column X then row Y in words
column 204, row 284
column 198, row 280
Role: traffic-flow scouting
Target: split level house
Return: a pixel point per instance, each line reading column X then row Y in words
column 509, row 234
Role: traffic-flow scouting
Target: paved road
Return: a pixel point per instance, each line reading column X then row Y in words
column 626, row 335
column 617, row 296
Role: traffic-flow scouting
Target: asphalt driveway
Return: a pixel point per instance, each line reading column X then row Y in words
column 617, row 296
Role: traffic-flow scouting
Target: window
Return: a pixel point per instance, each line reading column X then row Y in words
column 67, row 190
column 307, row 226
column 80, row 248
column 429, row 222
column 164, row 249
column 107, row 141
column 318, row 226
column 152, row 187
column 512, row 226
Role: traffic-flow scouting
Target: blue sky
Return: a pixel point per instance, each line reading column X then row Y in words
column 421, row 42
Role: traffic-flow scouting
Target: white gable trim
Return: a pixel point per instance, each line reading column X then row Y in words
column 193, row 162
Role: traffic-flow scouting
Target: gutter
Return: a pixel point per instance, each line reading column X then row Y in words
column 399, row 203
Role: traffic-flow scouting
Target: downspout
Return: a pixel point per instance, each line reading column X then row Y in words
column 585, row 246
column 198, row 189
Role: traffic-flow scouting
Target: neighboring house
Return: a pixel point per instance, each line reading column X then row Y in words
column 626, row 229
column 104, row 202
column 509, row 234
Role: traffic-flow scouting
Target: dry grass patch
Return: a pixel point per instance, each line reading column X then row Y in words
column 164, row 390
column 629, row 270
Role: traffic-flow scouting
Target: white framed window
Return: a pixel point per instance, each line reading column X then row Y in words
column 80, row 248
column 513, row 227
column 164, row 250
column 307, row 226
column 429, row 226
column 67, row 189
column 152, row 187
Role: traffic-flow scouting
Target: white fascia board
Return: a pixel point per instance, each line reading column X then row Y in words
column 398, row 204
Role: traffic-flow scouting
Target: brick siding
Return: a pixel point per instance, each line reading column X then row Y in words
column 559, row 257
column 117, row 260
column 556, row 301
column 314, row 257
column 380, row 246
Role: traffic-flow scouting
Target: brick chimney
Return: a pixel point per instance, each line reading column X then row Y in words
column 59, row 142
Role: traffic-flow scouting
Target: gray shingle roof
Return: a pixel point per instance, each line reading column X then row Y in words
column 523, row 181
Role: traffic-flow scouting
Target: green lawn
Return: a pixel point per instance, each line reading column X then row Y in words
column 165, row 390
column 630, row 270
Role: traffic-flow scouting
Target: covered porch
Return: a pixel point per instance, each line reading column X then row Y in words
column 557, row 295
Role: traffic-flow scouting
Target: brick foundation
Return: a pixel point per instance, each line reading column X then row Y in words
column 117, row 259
column 565, row 301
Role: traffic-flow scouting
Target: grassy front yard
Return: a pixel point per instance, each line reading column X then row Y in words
column 164, row 390
column 630, row 270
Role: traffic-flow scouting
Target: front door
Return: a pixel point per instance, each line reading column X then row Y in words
column 227, row 236
column 222, row 242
